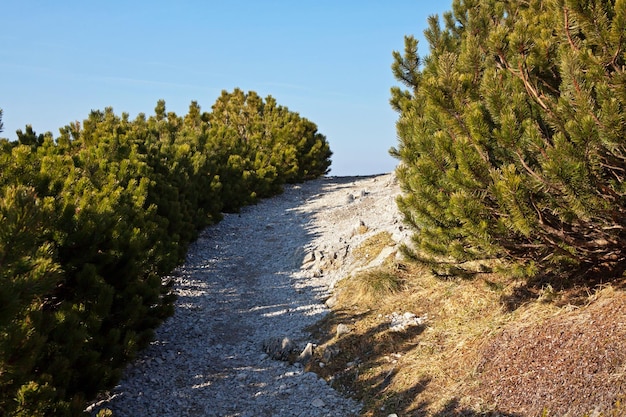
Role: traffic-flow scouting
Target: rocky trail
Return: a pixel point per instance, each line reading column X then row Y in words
column 248, row 289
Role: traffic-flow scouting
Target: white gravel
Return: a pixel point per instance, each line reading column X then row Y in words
column 265, row 272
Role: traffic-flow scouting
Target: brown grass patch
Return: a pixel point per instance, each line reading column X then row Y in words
column 371, row 247
column 456, row 363
column 371, row 285
column 572, row 363
column 361, row 230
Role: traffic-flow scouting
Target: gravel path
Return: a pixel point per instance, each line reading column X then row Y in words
column 263, row 273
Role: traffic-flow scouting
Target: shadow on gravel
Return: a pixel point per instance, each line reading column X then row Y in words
column 237, row 286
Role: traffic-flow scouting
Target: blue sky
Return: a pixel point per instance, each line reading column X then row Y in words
column 327, row 60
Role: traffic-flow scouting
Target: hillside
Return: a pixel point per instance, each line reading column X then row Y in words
column 320, row 264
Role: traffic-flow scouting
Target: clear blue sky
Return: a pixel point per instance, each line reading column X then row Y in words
column 327, row 60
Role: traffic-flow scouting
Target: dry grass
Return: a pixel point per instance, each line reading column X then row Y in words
column 437, row 369
column 419, row 369
column 372, row 247
column 369, row 286
column 361, row 230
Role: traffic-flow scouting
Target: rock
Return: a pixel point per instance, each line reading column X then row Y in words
column 298, row 256
column 342, row 329
column 401, row 322
column 360, row 229
column 331, row 302
column 385, row 253
column 306, row 354
column 308, row 258
column 318, row 403
column 349, row 198
column 279, row 348
column 329, row 353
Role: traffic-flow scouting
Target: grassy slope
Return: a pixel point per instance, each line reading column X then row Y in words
column 489, row 346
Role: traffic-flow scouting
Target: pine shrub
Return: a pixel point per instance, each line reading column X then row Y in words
column 91, row 221
column 512, row 137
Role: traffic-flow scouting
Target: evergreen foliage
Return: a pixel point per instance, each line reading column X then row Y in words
column 261, row 146
column 512, row 137
column 91, row 221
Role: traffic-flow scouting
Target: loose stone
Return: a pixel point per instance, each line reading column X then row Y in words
column 342, row 329
column 318, row 403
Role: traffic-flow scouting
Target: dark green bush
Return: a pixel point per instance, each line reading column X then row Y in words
column 91, row 221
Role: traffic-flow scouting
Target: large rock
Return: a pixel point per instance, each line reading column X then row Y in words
column 280, row 348
column 306, row 354
column 342, row 329
column 402, row 322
